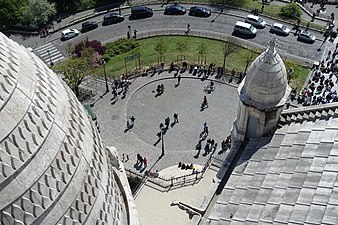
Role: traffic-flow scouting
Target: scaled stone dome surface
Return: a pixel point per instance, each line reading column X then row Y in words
column 266, row 82
column 54, row 168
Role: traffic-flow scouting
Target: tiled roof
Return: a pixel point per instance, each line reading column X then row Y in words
column 290, row 180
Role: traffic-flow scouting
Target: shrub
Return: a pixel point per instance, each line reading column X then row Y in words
column 96, row 45
column 120, row 46
column 291, row 10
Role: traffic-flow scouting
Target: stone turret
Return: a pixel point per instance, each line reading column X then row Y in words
column 262, row 93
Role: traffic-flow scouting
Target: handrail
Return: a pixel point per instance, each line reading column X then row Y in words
column 170, row 182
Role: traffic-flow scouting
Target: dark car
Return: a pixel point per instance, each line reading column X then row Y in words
column 175, row 10
column 199, row 11
column 110, row 18
column 140, row 12
column 89, row 25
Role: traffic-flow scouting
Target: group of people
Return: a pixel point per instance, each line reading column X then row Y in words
column 321, row 86
column 141, row 161
column 165, row 126
column 120, row 86
column 185, row 166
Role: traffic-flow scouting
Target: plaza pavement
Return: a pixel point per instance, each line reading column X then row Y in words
column 149, row 111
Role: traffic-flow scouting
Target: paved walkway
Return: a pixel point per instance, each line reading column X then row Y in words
column 156, row 208
column 181, row 138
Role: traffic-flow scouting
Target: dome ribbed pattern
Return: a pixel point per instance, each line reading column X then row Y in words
column 266, row 82
column 54, row 168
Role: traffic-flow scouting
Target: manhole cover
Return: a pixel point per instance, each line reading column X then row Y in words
column 114, row 117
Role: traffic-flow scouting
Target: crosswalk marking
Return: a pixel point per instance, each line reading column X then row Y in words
column 49, row 53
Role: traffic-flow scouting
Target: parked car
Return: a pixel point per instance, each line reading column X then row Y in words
column 69, row 33
column 256, row 21
column 112, row 17
column 140, row 12
column 175, row 10
column 245, row 29
column 306, row 36
column 89, row 25
column 199, row 11
column 278, row 28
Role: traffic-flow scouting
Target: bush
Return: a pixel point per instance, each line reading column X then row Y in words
column 96, row 45
column 120, row 46
column 291, row 11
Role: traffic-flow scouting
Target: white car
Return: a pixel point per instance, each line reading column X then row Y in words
column 69, row 33
column 256, row 21
column 306, row 36
column 280, row 29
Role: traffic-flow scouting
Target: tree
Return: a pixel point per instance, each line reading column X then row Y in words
column 291, row 10
column 181, row 46
column 228, row 48
column 249, row 58
column 160, row 48
column 38, row 12
column 75, row 70
column 202, row 50
column 11, row 12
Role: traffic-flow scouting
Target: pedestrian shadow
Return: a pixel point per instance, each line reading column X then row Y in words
column 197, row 155
column 158, row 141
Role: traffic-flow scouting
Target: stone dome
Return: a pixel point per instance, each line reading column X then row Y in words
column 265, row 85
column 54, row 168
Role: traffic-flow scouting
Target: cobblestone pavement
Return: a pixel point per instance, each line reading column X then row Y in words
column 180, row 139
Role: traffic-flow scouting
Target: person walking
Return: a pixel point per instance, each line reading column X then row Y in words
column 167, row 122
column 135, row 32
column 205, row 102
column 138, row 157
column 145, row 162
column 175, row 118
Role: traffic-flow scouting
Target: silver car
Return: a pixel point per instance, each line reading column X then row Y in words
column 306, row 36
column 280, row 29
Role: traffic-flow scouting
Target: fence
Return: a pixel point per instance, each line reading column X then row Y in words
column 166, row 183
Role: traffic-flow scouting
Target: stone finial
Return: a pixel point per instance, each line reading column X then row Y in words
column 269, row 55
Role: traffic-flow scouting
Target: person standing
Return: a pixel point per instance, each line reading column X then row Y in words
column 145, row 162
column 175, row 118
column 167, row 122
column 135, row 32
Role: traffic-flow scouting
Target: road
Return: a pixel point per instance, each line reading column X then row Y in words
column 222, row 24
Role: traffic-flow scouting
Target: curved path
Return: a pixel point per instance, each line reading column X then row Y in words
column 180, row 139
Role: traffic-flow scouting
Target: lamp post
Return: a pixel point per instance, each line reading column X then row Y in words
column 162, row 139
column 103, row 62
column 50, row 59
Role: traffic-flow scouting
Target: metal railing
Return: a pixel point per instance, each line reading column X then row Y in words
column 168, row 183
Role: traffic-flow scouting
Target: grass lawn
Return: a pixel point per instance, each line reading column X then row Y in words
column 214, row 54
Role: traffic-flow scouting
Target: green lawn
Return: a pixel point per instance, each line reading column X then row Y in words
column 149, row 57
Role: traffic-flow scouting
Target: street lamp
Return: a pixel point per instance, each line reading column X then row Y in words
column 103, row 62
column 50, row 59
column 162, row 139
